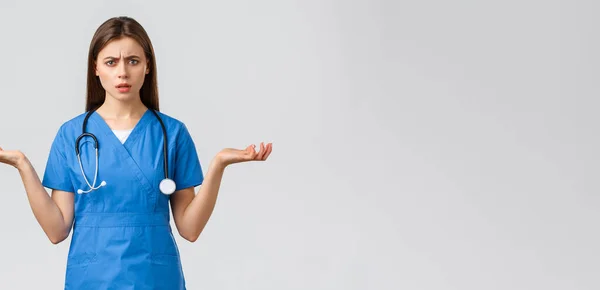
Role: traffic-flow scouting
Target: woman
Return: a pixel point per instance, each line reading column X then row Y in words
column 114, row 169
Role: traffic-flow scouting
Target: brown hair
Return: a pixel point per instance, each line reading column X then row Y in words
column 115, row 28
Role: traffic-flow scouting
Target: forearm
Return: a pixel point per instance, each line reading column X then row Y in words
column 198, row 212
column 43, row 206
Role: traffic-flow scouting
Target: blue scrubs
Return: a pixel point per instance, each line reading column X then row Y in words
column 122, row 238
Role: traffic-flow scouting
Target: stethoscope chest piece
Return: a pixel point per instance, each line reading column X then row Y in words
column 167, row 186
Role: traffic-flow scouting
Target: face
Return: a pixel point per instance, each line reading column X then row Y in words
column 121, row 66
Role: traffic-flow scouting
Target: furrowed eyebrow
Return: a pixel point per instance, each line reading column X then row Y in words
column 128, row 57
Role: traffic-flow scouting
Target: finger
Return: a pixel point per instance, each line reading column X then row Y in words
column 246, row 151
column 255, row 153
column 262, row 151
column 265, row 151
column 268, row 150
column 252, row 153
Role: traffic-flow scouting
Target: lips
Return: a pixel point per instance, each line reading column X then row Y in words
column 123, row 87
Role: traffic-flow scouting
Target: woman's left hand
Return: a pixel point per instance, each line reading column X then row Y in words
column 229, row 156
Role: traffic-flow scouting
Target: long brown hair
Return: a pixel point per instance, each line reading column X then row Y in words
column 111, row 29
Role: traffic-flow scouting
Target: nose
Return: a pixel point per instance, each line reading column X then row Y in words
column 122, row 71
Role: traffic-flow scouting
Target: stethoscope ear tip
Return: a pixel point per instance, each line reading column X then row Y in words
column 80, row 191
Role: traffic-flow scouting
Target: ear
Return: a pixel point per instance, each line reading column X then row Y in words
column 147, row 66
column 96, row 68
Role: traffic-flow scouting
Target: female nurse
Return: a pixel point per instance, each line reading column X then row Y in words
column 114, row 171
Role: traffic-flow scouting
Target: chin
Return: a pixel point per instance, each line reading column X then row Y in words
column 124, row 97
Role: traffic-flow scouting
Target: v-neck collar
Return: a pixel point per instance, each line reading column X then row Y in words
column 111, row 135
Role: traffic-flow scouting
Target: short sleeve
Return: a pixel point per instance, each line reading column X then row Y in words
column 187, row 169
column 56, row 174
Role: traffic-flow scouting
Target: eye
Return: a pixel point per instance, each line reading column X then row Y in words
column 134, row 61
column 110, row 62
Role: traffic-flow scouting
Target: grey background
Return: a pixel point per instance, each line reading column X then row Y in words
column 417, row 144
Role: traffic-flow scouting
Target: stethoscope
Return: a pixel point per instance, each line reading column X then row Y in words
column 166, row 186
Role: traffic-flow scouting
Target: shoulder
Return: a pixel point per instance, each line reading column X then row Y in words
column 72, row 127
column 171, row 123
column 174, row 126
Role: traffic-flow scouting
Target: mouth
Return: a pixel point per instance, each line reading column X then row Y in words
column 123, row 87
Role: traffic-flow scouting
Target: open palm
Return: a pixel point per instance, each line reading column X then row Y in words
column 232, row 155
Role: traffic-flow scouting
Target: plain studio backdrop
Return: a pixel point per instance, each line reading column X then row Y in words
column 417, row 144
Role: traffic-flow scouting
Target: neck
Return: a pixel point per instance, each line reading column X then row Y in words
column 117, row 109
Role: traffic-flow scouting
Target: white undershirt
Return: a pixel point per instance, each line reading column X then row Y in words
column 122, row 134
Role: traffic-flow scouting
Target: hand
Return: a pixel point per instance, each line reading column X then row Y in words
column 229, row 156
column 13, row 158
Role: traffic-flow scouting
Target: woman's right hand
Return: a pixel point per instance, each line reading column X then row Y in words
column 12, row 157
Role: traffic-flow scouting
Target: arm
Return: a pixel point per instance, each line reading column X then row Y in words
column 55, row 213
column 191, row 212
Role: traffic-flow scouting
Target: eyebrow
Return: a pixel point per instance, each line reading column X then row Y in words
column 127, row 57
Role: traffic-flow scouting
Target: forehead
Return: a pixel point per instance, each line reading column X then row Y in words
column 123, row 46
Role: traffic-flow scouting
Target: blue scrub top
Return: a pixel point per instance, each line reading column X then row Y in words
column 122, row 238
